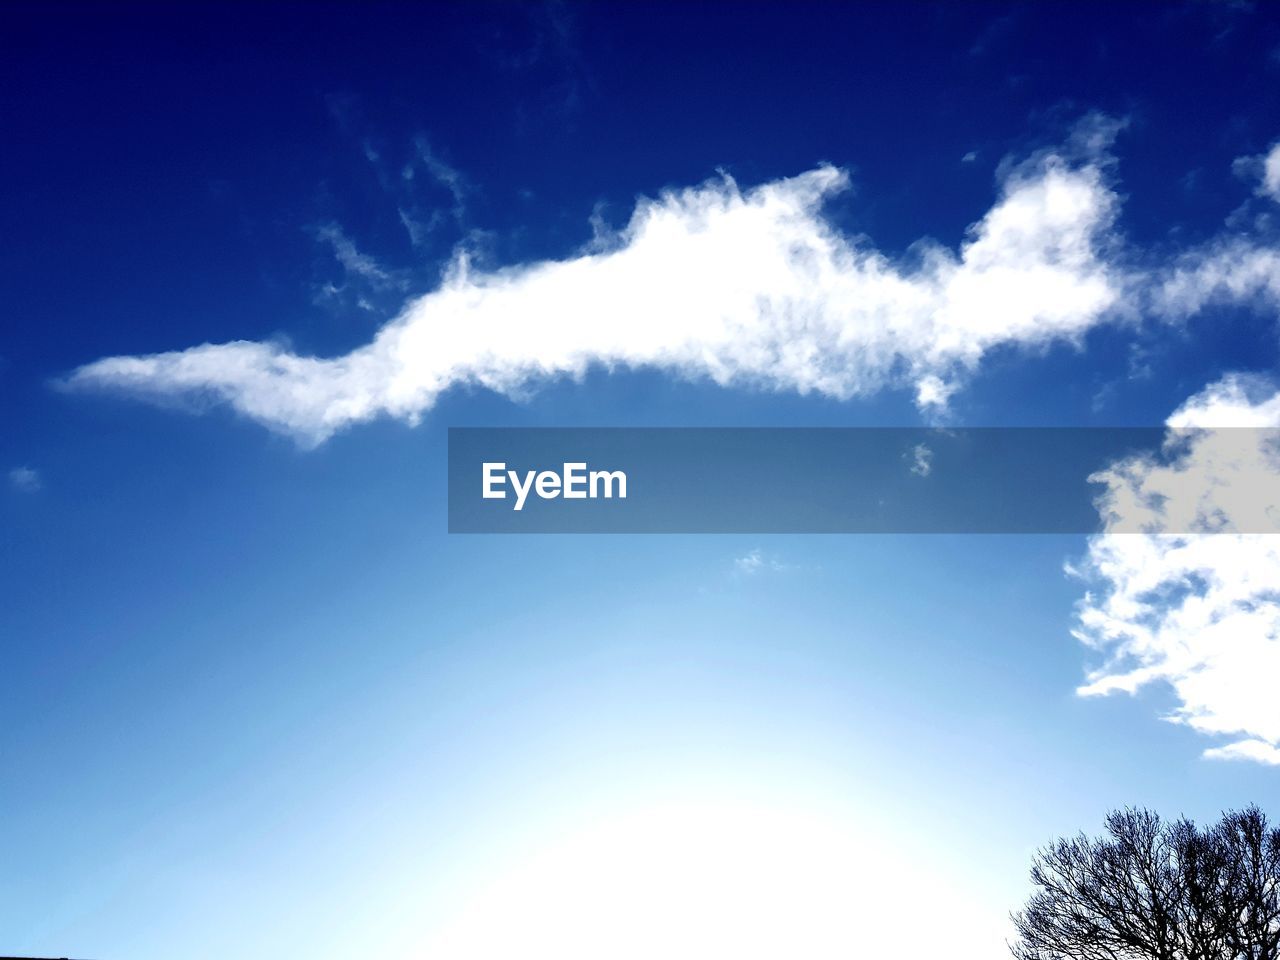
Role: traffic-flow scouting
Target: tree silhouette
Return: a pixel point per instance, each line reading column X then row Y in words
column 1159, row 890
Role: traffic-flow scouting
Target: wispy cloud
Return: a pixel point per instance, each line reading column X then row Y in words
column 994, row 35
column 757, row 561
column 352, row 260
column 545, row 44
column 1271, row 173
column 24, row 479
column 447, row 176
column 1228, row 270
column 426, row 179
column 921, row 460
column 1259, row 751
column 1199, row 613
column 741, row 287
column 427, row 191
column 1265, row 169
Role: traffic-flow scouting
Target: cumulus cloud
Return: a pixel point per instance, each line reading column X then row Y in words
column 751, row 287
column 1217, row 471
column 1199, row 612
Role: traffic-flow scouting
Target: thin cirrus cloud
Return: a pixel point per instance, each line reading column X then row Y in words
column 24, row 479
column 757, row 561
column 752, row 288
column 1199, row 612
column 921, row 460
column 352, row 260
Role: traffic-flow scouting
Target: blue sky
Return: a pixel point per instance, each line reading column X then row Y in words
column 257, row 261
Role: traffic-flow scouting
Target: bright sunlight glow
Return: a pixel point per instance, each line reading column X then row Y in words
column 713, row 879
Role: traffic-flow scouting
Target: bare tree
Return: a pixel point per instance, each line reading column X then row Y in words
column 1155, row 890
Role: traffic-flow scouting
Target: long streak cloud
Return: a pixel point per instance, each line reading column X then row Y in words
column 751, row 287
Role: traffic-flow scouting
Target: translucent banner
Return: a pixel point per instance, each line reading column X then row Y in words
column 864, row 480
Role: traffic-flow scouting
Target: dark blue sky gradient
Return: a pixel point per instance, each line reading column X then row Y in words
column 251, row 693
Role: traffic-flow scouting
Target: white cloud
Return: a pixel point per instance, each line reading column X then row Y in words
column 1257, row 750
column 757, row 561
column 741, row 287
column 1271, row 173
column 445, row 175
column 921, row 460
column 352, row 260
column 1265, row 169
column 1198, row 612
column 418, row 228
column 1218, row 471
column 24, row 479
column 1230, row 270
column 418, row 208
column 1235, row 267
